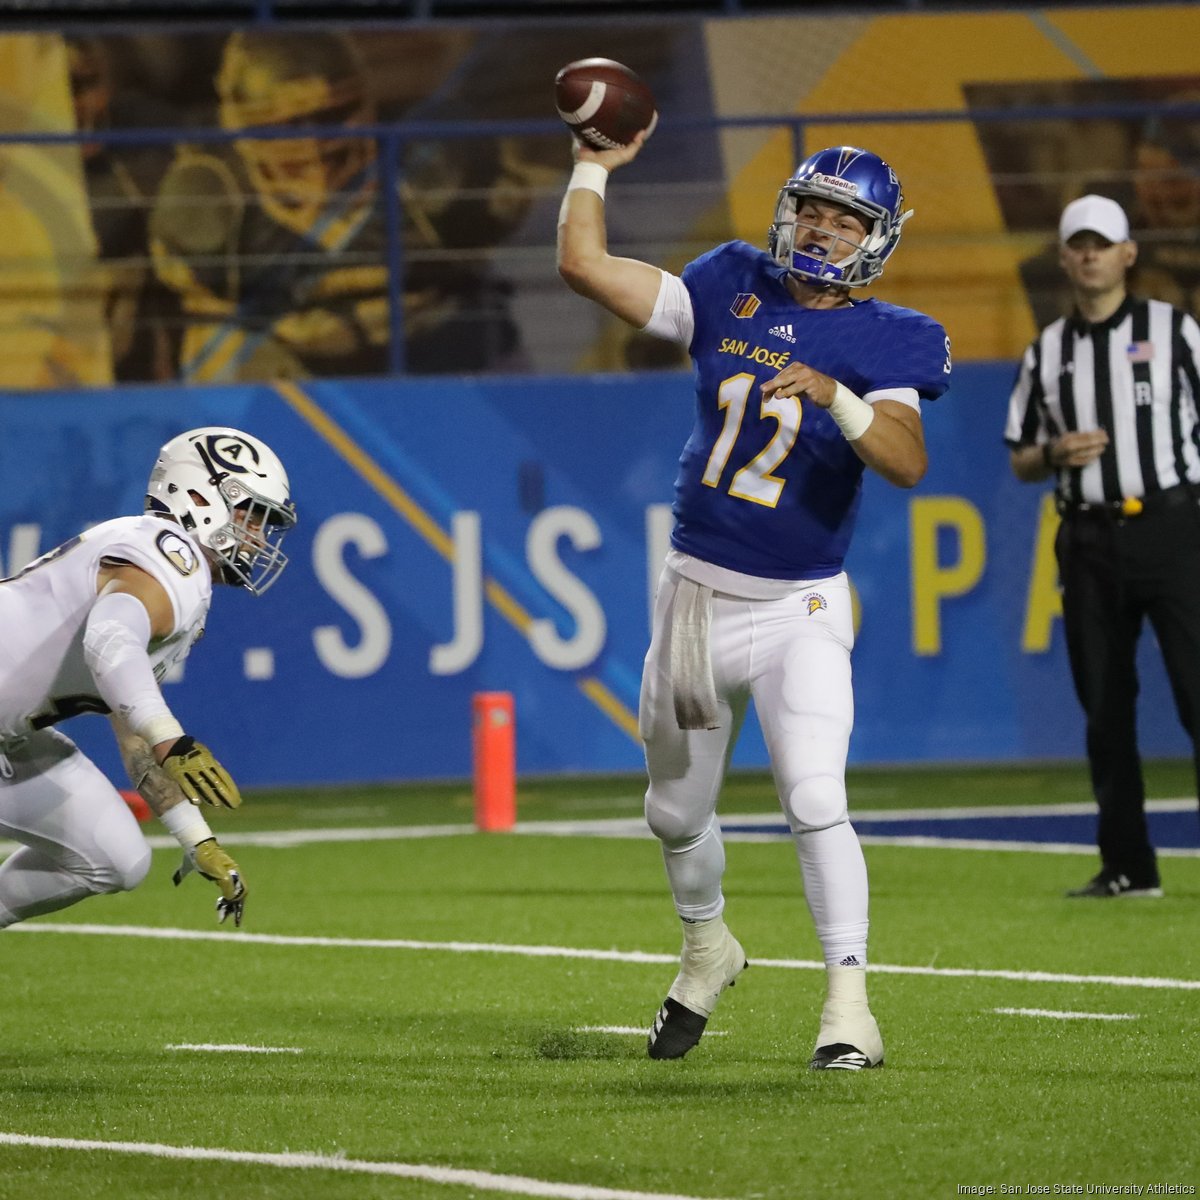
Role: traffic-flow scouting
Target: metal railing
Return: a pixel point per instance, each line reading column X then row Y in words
column 271, row 11
column 398, row 211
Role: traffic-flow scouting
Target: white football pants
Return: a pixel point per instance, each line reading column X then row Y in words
column 792, row 657
column 78, row 836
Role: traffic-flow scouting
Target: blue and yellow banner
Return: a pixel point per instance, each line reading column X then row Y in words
column 505, row 535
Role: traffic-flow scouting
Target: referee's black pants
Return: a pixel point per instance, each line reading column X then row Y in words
column 1115, row 572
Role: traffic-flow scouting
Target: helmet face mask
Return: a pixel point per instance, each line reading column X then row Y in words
column 230, row 492
column 855, row 180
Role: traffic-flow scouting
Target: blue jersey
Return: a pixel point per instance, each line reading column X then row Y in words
column 771, row 488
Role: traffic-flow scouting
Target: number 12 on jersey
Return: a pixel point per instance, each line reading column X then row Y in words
column 754, row 481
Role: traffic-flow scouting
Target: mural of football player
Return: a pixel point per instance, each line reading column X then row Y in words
column 1166, row 194
column 278, row 249
column 120, row 182
column 1150, row 167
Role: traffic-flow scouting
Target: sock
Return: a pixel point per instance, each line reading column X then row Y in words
column 835, row 887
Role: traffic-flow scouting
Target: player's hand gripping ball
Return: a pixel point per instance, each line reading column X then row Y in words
column 604, row 103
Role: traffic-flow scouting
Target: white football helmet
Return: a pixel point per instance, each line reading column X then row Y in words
column 231, row 493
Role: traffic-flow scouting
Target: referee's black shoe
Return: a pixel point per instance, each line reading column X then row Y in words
column 1109, row 883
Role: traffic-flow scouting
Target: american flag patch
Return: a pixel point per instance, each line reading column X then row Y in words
column 1137, row 352
column 745, row 304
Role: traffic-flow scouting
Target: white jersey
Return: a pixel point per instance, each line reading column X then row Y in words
column 44, row 609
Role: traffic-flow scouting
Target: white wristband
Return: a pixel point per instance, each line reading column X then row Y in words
column 851, row 412
column 164, row 728
column 187, row 825
column 589, row 175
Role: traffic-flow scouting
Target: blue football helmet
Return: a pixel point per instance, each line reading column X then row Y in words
column 862, row 182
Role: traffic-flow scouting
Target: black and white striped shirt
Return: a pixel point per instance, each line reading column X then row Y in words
column 1135, row 376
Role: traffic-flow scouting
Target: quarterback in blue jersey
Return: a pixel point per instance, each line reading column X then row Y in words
column 800, row 386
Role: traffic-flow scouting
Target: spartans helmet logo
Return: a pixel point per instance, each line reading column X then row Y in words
column 815, row 602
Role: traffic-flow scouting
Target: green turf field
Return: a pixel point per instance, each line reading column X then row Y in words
column 421, row 1049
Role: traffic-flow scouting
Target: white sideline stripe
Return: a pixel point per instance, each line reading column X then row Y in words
column 939, row 843
column 283, row 839
column 638, row 1029
column 936, row 843
column 1073, row 808
column 635, row 827
column 233, row 1048
column 517, row 1185
column 1066, row 1016
column 286, row 838
column 626, row 956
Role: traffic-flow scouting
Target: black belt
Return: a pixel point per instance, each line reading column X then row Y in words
column 1131, row 506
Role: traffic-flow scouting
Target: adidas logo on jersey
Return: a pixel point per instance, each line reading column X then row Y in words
column 783, row 331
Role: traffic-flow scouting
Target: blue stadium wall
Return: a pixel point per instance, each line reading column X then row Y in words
column 503, row 535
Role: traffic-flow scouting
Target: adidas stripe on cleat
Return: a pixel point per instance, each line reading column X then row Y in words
column 841, row 1056
column 675, row 1030
column 705, row 971
column 849, row 1038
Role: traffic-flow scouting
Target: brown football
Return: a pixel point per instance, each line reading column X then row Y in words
column 603, row 102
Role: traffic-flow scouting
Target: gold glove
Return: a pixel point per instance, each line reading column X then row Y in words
column 215, row 865
column 202, row 779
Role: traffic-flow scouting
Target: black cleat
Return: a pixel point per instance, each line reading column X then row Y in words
column 704, row 973
column 841, row 1056
column 675, row 1030
column 1109, row 883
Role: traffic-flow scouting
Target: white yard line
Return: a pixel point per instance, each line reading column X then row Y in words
column 1066, row 809
column 946, row 843
column 283, row 839
column 573, row 952
column 1065, row 1016
column 517, row 1185
column 635, row 827
column 232, row 1048
column 640, row 1030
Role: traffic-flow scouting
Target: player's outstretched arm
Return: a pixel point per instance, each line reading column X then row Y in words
column 153, row 784
column 132, row 609
column 167, row 800
column 626, row 287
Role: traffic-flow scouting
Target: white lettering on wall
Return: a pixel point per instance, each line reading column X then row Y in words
column 375, row 630
column 541, row 550
column 457, row 655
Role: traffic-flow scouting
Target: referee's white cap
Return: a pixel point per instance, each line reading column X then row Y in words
column 1097, row 214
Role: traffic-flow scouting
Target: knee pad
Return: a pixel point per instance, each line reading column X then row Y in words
column 817, row 802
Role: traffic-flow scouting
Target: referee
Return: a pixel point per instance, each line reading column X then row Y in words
column 1105, row 401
